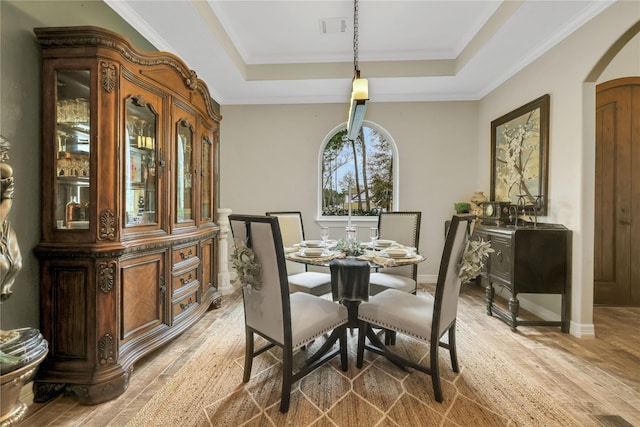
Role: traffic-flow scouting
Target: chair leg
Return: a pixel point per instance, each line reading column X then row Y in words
column 343, row 350
column 362, row 333
column 248, row 355
column 390, row 337
column 287, row 379
column 452, row 348
column 435, row 371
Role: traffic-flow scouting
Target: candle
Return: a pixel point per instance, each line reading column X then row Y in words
column 349, row 202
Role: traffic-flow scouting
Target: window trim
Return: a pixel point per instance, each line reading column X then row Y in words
column 364, row 221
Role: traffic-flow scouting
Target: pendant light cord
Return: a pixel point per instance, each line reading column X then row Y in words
column 355, row 39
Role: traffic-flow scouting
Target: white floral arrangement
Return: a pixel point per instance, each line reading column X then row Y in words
column 473, row 259
column 350, row 247
column 247, row 267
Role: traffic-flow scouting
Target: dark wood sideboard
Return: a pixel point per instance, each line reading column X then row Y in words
column 526, row 260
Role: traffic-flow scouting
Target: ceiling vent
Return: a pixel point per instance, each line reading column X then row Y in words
column 333, row 25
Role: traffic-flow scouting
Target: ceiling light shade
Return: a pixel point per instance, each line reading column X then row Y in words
column 359, row 102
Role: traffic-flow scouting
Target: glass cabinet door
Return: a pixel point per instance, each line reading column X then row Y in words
column 73, row 127
column 141, row 157
column 206, row 196
column 184, row 172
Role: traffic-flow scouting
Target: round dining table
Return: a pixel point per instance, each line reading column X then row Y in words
column 350, row 274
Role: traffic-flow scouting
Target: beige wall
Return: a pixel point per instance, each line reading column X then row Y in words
column 562, row 73
column 270, row 160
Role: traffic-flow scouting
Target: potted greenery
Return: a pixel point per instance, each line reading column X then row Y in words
column 462, row 207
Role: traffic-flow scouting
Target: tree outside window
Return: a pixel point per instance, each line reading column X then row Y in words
column 361, row 169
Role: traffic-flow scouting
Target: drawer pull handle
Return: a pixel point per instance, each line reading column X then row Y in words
column 499, row 255
column 186, row 255
column 187, row 280
column 187, row 305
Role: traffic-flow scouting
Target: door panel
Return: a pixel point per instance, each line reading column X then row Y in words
column 617, row 193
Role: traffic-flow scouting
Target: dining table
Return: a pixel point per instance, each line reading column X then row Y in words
column 350, row 272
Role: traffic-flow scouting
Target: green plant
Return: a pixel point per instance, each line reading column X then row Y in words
column 462, row 207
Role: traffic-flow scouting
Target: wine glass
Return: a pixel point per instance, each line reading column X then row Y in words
column 373, row 235
column 324, row 235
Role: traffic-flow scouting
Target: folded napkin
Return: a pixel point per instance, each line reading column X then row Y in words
column 384, row 261
column 324, row 258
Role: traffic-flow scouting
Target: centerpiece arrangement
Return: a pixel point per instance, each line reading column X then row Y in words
column 473, row 259
column 247, row 266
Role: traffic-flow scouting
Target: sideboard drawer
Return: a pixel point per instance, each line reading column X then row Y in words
column 181, row 306
column 184, row 278
column 184, row 254
column 500, row 260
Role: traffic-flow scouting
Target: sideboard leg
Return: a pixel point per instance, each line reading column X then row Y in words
column 489, row 292
column 514, row 308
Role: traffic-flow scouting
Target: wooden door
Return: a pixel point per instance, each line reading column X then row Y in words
column 617, row 193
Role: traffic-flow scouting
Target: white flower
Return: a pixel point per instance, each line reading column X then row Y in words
column 247, row 266
column 473, row 259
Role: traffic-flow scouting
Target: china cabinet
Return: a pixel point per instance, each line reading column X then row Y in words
column 129, row 234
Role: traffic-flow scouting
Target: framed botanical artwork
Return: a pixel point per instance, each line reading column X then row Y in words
column 520, row 156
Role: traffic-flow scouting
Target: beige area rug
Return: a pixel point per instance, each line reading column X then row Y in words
column 208, row 389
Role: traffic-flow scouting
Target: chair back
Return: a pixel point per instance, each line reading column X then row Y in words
column 404, row 228
column 267, row 307
column 448, row 285
column 292, row 231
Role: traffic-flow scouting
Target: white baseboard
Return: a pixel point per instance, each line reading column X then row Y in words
column 580, row 330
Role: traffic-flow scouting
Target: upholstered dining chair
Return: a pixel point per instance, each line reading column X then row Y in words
column 425, row 318
column 404, row 228
column 286, row 320
column 300, row 279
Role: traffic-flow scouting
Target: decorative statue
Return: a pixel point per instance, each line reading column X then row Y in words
column 21, row 350
column 10, row 257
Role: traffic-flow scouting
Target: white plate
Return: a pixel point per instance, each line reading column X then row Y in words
column 322, row 255
column 312, row 243
column 399, row 256
column 384, row 243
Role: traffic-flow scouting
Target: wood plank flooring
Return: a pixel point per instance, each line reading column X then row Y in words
column 596, row 380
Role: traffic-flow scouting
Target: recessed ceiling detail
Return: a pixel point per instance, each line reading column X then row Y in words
column 410, row 50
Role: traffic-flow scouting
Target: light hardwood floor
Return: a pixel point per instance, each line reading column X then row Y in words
column 596, row 380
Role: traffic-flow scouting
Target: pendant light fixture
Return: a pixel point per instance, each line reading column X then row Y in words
column 360, row 88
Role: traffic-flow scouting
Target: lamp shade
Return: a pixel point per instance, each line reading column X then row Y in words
column 359, row 102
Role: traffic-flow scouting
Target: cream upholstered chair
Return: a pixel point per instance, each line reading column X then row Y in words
column 425, row 318
column 300, row 280
column 404, row 228
column 286, row 320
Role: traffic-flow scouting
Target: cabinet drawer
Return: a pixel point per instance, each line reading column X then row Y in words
column 184, row 254
column 184, row 278
column 182, row 306
column 500, row 260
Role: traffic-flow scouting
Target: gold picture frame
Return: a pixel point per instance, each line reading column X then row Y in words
column 520, row 155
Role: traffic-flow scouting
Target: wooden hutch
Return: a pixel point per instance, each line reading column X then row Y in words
column 128, row 256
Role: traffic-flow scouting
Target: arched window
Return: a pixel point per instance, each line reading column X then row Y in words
column 360, row 173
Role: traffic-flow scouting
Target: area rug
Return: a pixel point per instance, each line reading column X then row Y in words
column 208, row 390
